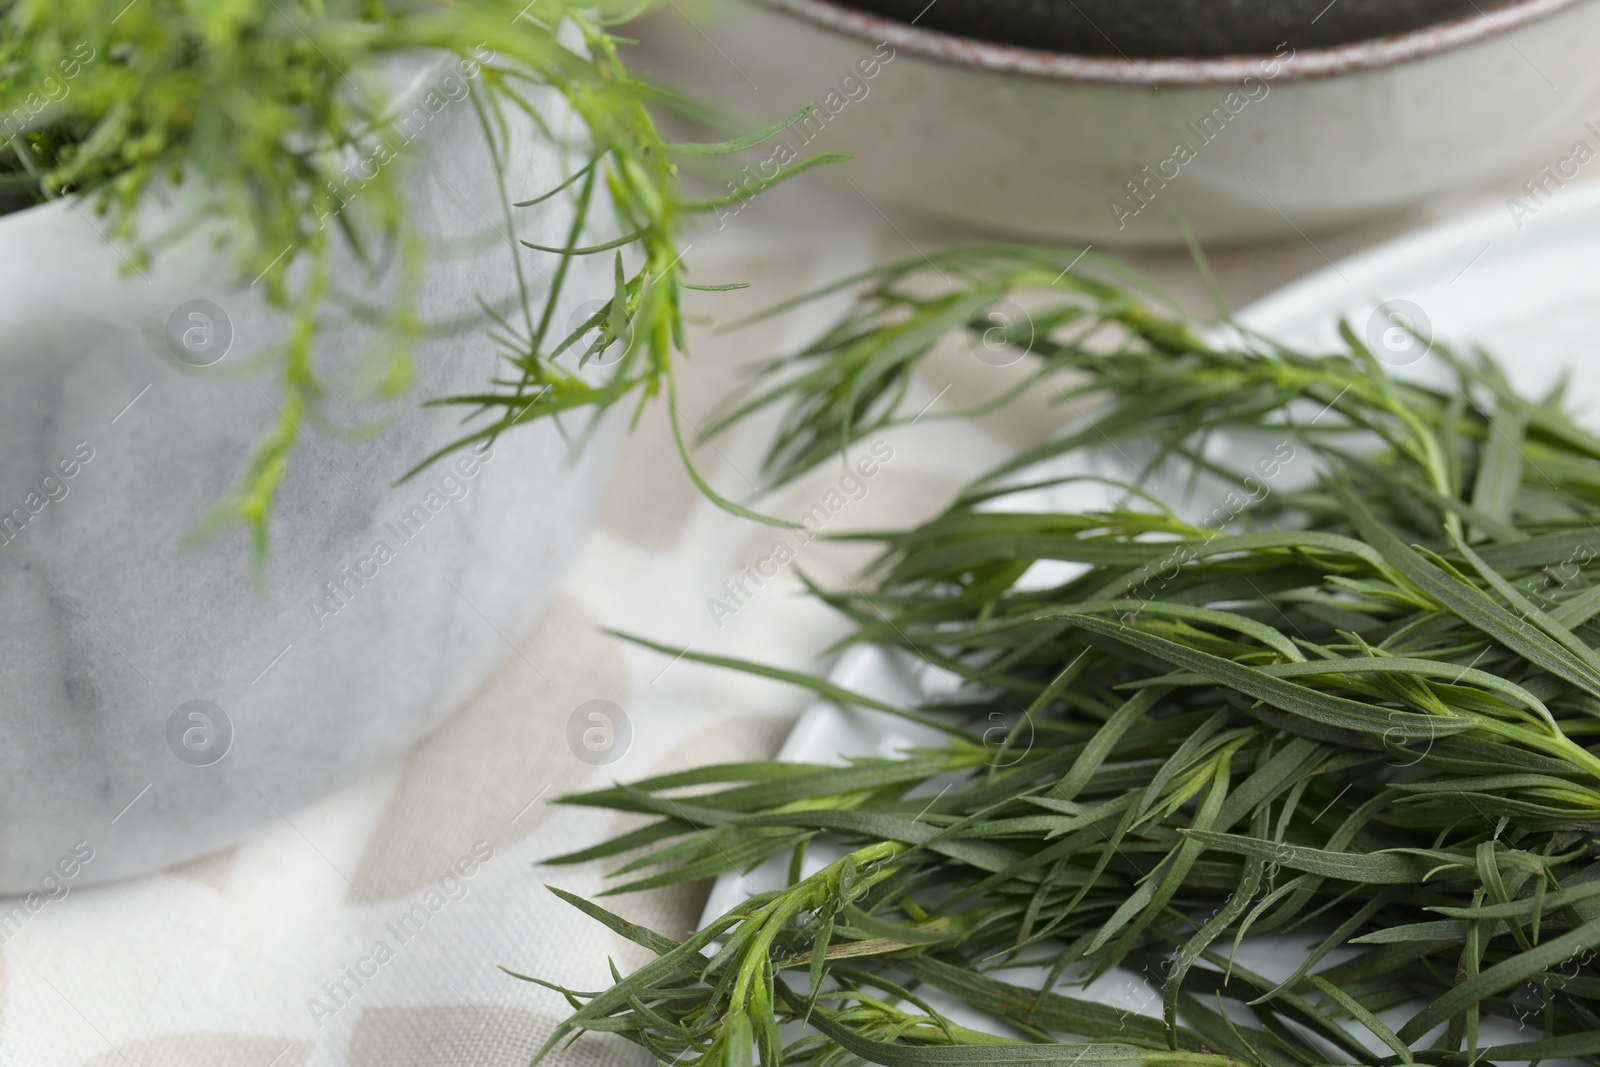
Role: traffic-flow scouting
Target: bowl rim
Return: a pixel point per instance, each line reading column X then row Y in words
column 1173, row 71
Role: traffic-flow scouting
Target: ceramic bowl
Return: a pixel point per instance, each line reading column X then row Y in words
column 158, row 704
column 1104, row 147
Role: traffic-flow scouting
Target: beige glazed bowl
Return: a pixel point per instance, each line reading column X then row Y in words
column 1104, row 147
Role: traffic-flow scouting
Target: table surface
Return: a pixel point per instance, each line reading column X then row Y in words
column 254, row 956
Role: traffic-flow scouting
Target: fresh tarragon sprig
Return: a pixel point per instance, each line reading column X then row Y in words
column 259, row 107
column 1352, row 701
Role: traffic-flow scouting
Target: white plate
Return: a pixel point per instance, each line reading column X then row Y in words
column 1530, row 295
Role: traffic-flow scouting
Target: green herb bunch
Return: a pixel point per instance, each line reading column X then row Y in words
column 257, row 107
column 1359, row 713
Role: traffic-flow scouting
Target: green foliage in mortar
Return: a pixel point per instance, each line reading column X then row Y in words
column 259, row 105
